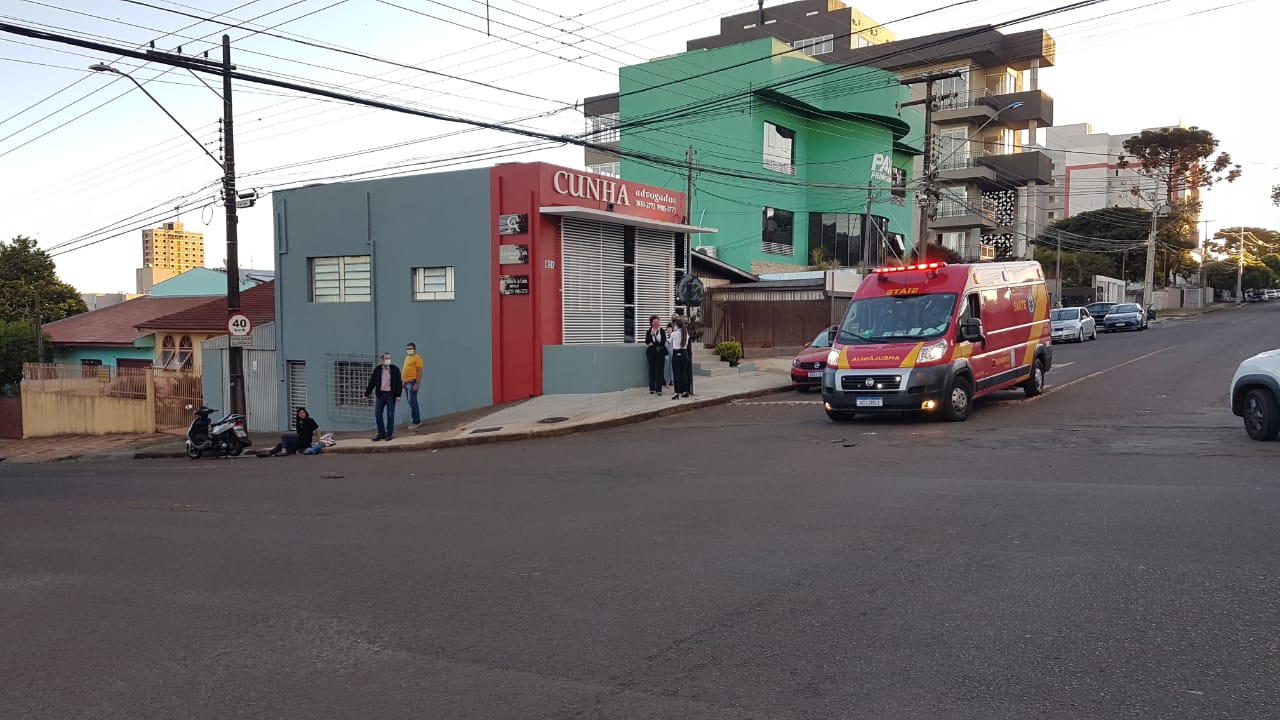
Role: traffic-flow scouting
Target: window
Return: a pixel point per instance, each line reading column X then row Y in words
column 776, row 232
column 603, row 128
column 340, row 279
column 835, row 237
column 90, row 368
column 433, row 283
column 350, row 375
column 1051, row 215
column 898, row 193
column 953, row 148
column 186, row 355
column 297, row 378
column 957, row 85
column 954, row 202
column 168, row 351
column 861, row 42
column 815, row 45
column 613, row 169
column 779, row 149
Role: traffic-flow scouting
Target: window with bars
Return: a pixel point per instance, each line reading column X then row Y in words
column 776, row 236
column 898, row 193
column 779, row 149
column 433, row 283
column 341, row 279
column 349, row 375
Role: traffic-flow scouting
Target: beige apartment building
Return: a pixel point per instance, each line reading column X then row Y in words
column 168, row 251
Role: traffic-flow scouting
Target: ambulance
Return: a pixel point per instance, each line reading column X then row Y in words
column 933, row 337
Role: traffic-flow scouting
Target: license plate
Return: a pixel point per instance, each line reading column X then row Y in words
column 870, row 402
column 815, row 373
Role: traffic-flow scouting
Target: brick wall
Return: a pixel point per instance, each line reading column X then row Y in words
column 11, row 418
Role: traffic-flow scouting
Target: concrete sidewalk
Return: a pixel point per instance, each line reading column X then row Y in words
column 544, row 416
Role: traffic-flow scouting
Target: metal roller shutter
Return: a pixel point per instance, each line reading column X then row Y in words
column 297, row 389
column 655, row 275
column 592, row 272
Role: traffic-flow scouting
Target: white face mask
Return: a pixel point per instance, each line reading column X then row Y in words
column 386, row 362
column 409, row 351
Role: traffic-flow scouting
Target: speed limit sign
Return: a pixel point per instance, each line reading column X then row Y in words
column 239, row 325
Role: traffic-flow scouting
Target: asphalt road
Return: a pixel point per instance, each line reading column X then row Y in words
column 1108, row 550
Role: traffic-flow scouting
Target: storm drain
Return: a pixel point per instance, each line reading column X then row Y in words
column 552, row 420
column 477, row 431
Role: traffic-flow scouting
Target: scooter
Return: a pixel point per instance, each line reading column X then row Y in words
column 228, row 436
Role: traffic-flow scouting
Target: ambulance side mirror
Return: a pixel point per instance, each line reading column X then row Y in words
column 971, row 330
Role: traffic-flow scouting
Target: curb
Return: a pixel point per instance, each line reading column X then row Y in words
column 549, row 432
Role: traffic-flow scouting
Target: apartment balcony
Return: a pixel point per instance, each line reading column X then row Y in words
column 980, row 106
column 951, row 215
column 1021, row 168
column 968, row 167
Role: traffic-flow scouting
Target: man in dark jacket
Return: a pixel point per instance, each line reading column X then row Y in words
column 385, row 385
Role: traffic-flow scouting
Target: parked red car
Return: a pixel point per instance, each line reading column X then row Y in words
column 807, row 367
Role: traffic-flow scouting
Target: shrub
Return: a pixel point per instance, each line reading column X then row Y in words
column 730, row 351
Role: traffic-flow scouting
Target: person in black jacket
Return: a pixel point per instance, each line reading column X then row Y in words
column 304, row 437
column 385, row 385
column 655, row 341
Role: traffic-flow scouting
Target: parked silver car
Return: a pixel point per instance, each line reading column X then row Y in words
column 1073, row 323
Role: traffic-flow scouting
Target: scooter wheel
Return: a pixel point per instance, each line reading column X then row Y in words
column 193, row 453
column 235, row 451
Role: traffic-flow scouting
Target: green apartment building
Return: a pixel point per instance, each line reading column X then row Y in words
column 789, row 152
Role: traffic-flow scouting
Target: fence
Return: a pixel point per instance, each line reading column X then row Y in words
column 101, row 399
column 766, row 324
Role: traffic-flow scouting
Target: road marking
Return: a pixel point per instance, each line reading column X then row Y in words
column 1065, row 364
column 1090, row 376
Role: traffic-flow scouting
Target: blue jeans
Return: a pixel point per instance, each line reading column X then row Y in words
column 411, row 394
column 387, row 401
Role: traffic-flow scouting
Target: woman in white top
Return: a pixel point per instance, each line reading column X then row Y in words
column 681, row 360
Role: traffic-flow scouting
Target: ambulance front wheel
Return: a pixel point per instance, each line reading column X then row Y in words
column 840, row 415
column 1035, row 384
column 959, row 401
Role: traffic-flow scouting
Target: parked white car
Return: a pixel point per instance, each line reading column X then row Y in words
column 1073, row 323
column 1255, row 395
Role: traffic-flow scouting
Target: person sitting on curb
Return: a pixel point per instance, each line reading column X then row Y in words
column 306, row 429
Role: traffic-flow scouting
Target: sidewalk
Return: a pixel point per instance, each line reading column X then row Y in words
column 544, row 416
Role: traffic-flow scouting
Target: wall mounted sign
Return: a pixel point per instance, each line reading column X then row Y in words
column 513, row 284
column 513, row 254
column 513, row 224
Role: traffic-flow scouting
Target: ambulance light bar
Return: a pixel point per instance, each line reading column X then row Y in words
column 902, row 268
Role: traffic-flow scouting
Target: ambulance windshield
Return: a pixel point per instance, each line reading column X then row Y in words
column 893, row 318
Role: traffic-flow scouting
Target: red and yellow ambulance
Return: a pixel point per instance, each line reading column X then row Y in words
column 933, row 337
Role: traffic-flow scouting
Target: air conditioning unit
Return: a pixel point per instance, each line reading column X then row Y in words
column 708, row 250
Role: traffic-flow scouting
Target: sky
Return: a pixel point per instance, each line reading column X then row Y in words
column 87, row 160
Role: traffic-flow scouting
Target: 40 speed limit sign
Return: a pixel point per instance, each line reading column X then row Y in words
column 239, row 325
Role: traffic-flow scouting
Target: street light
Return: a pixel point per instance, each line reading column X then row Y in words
column 103, row 67
column 235, row 355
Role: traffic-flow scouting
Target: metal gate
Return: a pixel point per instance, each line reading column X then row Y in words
column 174, row 390
column 297, row 374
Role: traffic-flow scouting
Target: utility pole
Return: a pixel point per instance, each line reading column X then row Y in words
column 39, row 329
column 688, row 214
column 235, row 354
column 1057, row 274
column 1203, row 243
column 1149, row 276
column 1240, row 269
column 924, row 195
column 866, row 230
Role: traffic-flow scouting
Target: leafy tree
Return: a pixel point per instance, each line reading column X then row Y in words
column 1221, row 275
column 1272, row 261
column 1105, row 232
column 934, row 252
column 1078, row 268
column 1180, row 160
column 1258, row 241
column 28, row 278
column 17, row 345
